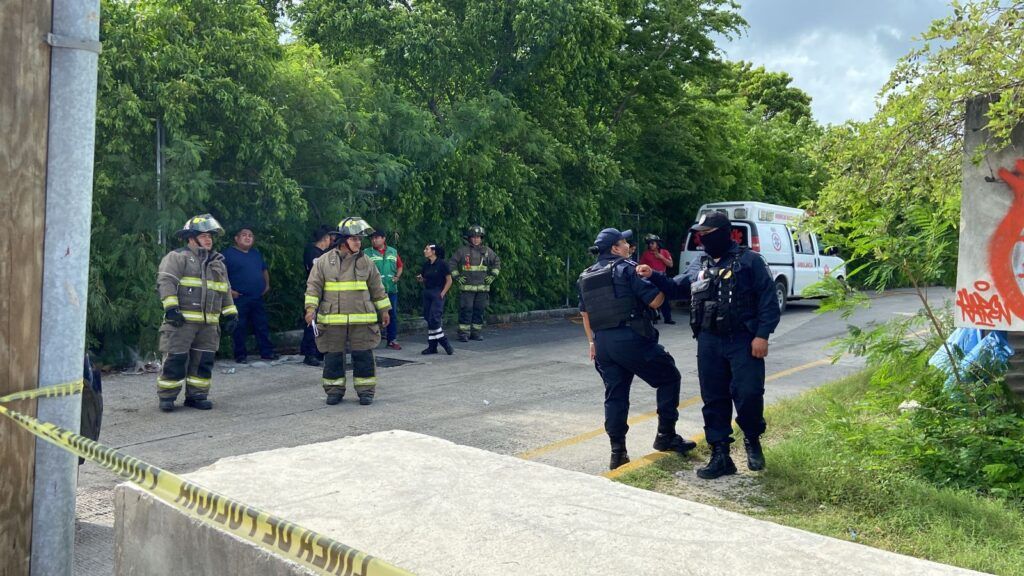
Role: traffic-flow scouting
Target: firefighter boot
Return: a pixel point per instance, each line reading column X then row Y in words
column 619, row 455
column 719, row 465
column 431, row 347
column 755, row 456
column 167, row 404
column 673, row 443
column 199, row 402
column 476, row 336
column 446, row 345
column 333, row 399
column 365, row 399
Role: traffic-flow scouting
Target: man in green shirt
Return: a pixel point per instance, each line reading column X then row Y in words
column 390, row 266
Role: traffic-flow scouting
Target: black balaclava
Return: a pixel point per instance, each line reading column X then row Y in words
column 717, row 243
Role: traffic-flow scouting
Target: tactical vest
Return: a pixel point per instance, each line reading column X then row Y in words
column 714, row 305
column 604, row 310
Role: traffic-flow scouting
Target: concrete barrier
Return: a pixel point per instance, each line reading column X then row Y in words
column 436, row 508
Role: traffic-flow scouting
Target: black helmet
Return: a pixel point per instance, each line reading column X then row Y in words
column 475, row 230
column 652, row 238
column 354, row 226
column 196, row 225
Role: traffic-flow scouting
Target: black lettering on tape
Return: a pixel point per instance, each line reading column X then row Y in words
column 270, row 537
column 235, row 516
column 184, row 495
column 306, row 545
column 202, row 503
column 222, row 512
column 321, row 561
column 253, row 515
column 284, row 533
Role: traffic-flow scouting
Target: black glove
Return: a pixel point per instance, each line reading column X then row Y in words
column 231, row 323
column 174, row 317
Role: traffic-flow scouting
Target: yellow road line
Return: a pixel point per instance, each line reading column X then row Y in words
column 655, row 456
column 595, row 433
column 650, row 415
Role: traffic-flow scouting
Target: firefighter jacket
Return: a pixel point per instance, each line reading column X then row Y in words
column 345, row 290
column 478, row 264
column 196, row 281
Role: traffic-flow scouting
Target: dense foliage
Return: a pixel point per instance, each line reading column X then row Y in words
column 542, row 120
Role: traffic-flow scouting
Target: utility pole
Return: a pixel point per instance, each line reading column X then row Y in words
column 48, row 122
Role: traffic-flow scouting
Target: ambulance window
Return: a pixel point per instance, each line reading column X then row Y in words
column 740, row 234
column 802, row 243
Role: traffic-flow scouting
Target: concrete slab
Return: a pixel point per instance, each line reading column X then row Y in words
column 437, row 508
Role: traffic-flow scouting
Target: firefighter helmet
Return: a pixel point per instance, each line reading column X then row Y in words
column 652, row 238
column 354, row 226
column 203, row 223
column 475, row 230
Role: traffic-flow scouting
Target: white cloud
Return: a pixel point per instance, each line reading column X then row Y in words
column 840, row 54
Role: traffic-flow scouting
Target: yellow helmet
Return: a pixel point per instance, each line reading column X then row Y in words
column 203, row 223
column 354, row 226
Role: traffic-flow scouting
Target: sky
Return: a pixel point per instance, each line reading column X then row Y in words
column 838, row 51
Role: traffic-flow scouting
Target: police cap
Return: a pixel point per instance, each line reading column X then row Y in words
column 711, row 221
column 610, row 237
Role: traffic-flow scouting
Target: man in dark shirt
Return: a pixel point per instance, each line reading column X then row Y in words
column 322, row 237
column 250, row 281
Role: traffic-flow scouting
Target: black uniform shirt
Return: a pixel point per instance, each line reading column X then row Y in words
column 434, row 274
column 754, row 284
column 311, row 253
column 625, row 282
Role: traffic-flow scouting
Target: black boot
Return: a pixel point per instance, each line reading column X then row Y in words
column 719, row 465
column 167, row 404
column 476, row 336
column 311, row 360
column 333, row 399
column 199, row 402
column 431, row 347
column 619, row 455
column 446, row 345
column 367, row 399
column 755, row 456
column 673, row 443
column 463, row 337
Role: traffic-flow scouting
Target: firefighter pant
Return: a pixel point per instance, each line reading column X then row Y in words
column 472, row 308
column 730, row 375
column 364, row 373
column 433, row 311
column 189, row 352
column 622, row 354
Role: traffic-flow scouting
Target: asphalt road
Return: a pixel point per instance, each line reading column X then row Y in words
column 527, row 390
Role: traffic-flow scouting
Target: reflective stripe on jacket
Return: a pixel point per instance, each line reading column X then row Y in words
column 479, row 264
column 345, row 289
column 196, row 281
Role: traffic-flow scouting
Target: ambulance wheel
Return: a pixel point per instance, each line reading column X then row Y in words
column 780, row 294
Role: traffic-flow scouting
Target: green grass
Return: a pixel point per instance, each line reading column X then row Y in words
column 828, row 472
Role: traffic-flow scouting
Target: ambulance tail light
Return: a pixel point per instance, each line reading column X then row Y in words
column 755, row 243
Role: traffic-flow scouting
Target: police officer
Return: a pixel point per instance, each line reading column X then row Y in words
column 475, row 267
column 733, row 310
column 346, row 299
column 194, row 289
column 617, row 308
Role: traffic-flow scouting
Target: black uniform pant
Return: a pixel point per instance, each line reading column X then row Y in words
column 730, row 376
column 622, row 354
column 472, row 308
column 433, row 311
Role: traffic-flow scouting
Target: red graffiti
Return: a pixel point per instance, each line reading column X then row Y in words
column 982, row 310
column 1004, row 239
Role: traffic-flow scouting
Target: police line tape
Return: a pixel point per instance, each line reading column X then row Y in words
column 301, row 545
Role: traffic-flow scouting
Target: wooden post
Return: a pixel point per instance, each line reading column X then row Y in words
column 24, row 103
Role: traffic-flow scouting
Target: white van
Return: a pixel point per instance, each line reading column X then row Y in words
column 795, row 257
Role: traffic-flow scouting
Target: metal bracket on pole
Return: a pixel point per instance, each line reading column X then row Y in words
column 72, row 43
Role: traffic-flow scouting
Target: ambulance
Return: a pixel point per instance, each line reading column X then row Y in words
column 795, row 256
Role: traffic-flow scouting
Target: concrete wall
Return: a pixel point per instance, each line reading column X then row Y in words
column 437, row 508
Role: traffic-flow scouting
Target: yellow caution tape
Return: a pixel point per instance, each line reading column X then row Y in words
column 301, row 545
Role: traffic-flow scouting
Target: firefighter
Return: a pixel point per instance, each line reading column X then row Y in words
column 194, row 289
column 474, row 267
column 346, row 299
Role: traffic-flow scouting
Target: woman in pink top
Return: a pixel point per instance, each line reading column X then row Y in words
column 660, row 260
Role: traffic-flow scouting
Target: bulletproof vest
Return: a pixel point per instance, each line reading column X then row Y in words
column 598, row 291
column 713, row 302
